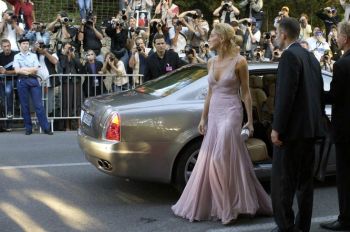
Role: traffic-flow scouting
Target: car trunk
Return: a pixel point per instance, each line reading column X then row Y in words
column 95, row 110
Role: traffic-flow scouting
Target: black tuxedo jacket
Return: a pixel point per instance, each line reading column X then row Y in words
column 339, row 97
column 299, row 105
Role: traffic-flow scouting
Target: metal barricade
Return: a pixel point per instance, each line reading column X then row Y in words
column 62, row 94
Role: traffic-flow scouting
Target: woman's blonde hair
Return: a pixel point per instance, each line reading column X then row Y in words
column 227, row 33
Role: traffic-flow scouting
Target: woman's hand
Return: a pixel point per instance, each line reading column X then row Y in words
column 202, row 127
column 250, row 126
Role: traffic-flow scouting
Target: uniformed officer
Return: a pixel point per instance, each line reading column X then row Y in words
column 26, row 65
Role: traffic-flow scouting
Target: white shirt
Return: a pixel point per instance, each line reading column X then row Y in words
column 317, row 47
column 43, row 72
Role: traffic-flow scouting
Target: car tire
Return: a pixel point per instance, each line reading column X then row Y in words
column 185, row 164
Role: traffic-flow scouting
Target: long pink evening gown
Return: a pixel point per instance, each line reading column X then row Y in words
column 223, row 184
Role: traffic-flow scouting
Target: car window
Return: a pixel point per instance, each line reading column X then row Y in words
column 169, row 84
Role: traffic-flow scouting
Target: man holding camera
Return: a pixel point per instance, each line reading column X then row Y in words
column 251, row 38
column 191, row 56
column 138, row 58
column 24, row 10
column 227, row 12
column 48, row 62
column 90, row 37
column 305, row 27
column 10, row 28
column 39, row 33
column 64, row 33
column 119, row 35
column 197, row 28
column 253, row 9
column 318, row 44
column 26, row 65
column 284, row 12
column 329, row 17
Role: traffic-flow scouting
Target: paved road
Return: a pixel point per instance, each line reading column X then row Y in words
column 47, row 185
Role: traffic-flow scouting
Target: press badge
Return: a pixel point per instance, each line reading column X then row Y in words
column 168, row 68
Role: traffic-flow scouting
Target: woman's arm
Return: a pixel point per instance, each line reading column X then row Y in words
column 243, row 75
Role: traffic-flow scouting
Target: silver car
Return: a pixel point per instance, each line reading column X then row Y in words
column 150, row 133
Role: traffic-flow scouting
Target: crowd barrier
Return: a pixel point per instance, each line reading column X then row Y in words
column 62, row 94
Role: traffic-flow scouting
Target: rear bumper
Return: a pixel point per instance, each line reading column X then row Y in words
column 133, row 160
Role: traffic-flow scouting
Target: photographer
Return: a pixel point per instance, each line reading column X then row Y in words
column 117, row 31
column 204, row 52
column 332, row 38
column 191, row 56
column 138, row 58
column 258, row 55
column 71, row 85
column 346, row 5
column 253, row 8
column 268, row 44
column 133, row 33
column 62, row 31
column 197, row 28
column 24, row 10
column 157, row 26
column 276, row 55
column 251, row 38
column 318, row 44
column 168, row 10
column 282, row 14
column 226, row 11
column 10, row 28
column 92, row 85
column 178, row 35
column 329, row 17
column 305, row 27
column 326, row 61
column 48, row 62
column 39, row 33
column 90, row 37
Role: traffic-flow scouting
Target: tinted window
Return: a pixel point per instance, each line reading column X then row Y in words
column 173, row 82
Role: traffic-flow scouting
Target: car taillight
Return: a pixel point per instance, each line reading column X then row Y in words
column 113, row 129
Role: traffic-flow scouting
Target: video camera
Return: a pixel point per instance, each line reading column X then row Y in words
column 65, row 20
column 267, row 35
column 89, row 19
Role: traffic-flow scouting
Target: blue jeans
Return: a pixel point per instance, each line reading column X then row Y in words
column 30, row 87
column 84, row 7
column 6, row 93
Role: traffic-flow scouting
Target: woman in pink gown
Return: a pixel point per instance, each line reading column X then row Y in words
column 223, row 184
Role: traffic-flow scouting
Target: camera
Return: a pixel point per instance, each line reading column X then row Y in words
column 71, row 49
column 206, row 45
column 267, row 35
column 159, row 25
column 89, row 19
column 194, row 16
column 124, row 17
column 65, row 20
column 111, row 58
column 43, row 45
column 249, row 24
column 189, row 50
column 138, row 47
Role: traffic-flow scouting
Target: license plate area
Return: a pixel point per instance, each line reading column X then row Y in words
column 86, row 118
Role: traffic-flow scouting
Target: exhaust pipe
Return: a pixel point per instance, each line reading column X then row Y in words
column 104, row 164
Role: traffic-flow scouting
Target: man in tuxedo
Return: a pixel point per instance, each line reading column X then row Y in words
column 339, row 97
column 297, row 124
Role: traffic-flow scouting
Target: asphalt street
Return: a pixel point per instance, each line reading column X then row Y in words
column 47, row 185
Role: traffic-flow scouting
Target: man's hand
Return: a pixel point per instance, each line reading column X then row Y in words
column 275, row 138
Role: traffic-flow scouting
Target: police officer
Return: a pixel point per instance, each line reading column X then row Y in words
column 26, row 65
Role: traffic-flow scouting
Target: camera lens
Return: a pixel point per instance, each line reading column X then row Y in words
column 206, row 45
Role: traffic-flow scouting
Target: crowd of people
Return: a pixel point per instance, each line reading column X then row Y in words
column 152, row 46
column 143, row 38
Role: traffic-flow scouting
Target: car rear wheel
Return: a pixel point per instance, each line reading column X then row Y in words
column 185, row 164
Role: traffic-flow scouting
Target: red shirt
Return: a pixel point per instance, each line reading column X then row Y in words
column 27, row 9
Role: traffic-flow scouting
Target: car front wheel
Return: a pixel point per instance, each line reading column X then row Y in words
column 186, row 163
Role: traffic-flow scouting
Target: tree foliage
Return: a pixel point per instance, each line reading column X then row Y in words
column 271, row 8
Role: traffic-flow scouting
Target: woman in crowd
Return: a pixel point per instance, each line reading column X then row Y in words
column 223, row 184
column 118, row 81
